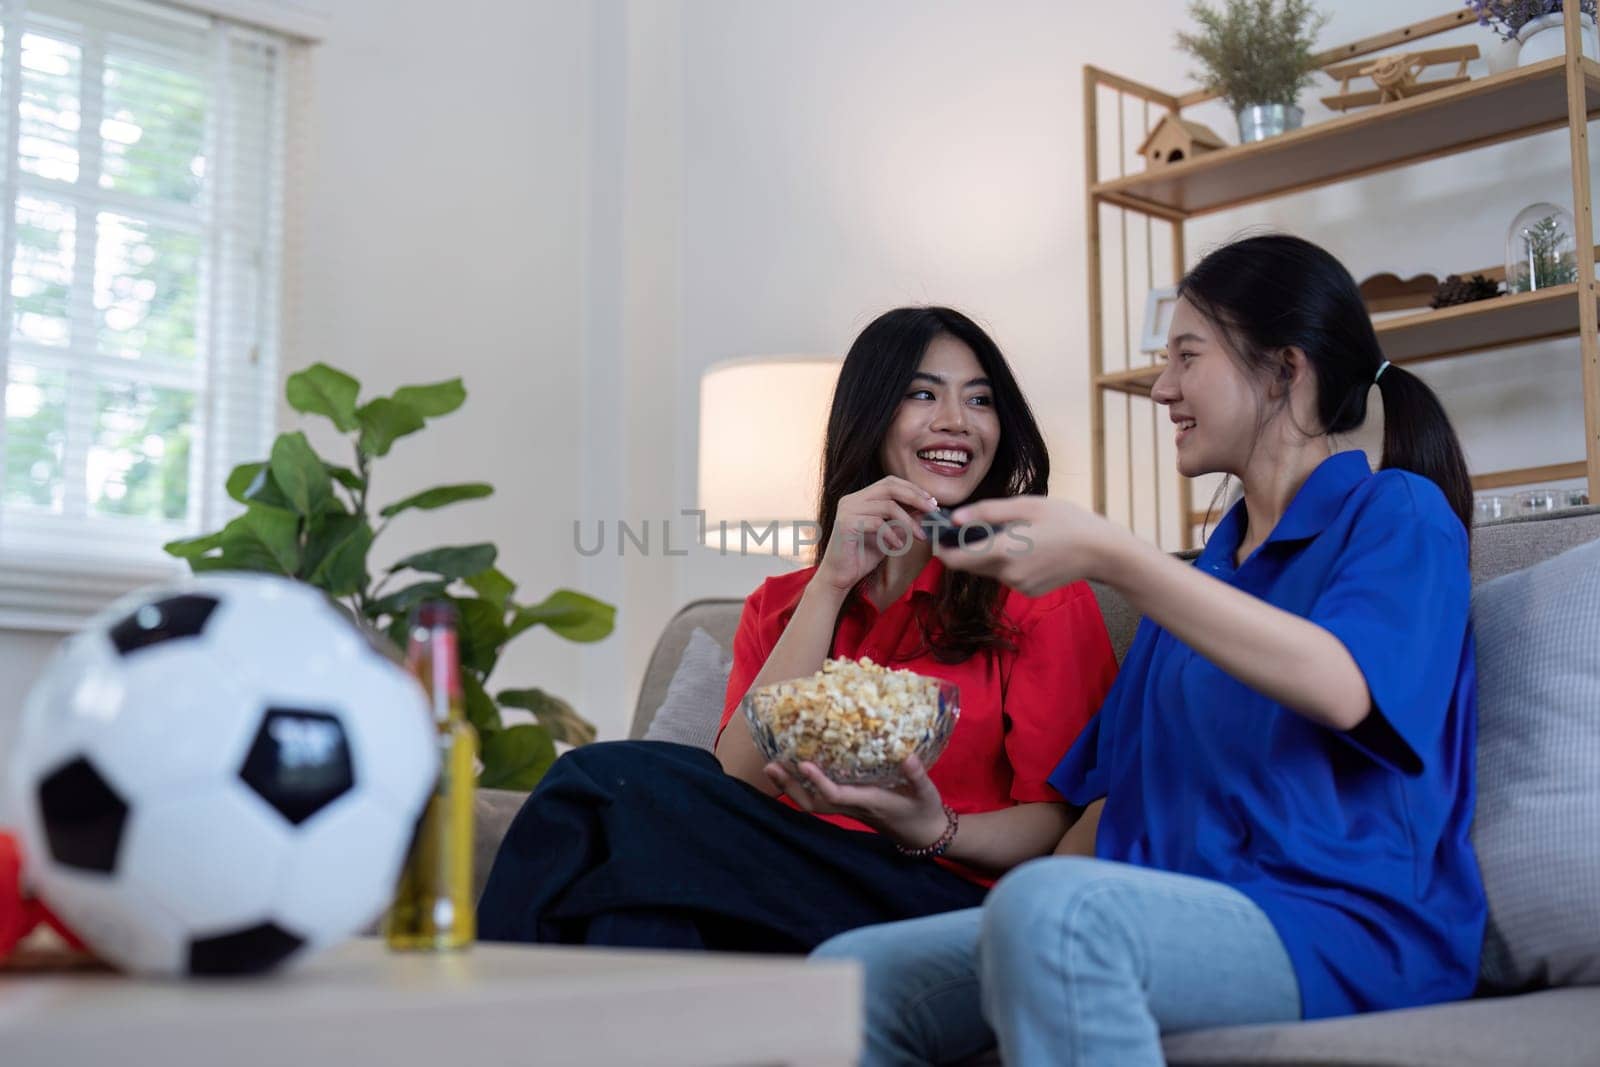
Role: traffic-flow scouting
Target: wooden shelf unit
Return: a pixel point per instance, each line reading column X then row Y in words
column 1562, row 92
column 1555, row 472
column 1521, row 318
column 1485, row 111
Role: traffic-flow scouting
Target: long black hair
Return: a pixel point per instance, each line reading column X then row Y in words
column 966, row 614
column 1271, row 292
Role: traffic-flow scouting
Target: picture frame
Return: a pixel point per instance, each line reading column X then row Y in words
column 1158, row 308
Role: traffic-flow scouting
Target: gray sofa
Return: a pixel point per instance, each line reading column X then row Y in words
column 1549, row 1028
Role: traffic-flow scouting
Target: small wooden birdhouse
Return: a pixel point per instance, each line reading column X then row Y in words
column 1175, row 139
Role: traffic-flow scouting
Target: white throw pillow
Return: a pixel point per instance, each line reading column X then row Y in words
column 1537, row 826
column 692, row 709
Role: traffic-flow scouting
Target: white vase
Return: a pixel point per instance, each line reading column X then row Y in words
column 1545, row 38
column 1500, row 56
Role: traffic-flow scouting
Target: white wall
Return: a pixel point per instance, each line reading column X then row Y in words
column 634, row 217
column 442, row 235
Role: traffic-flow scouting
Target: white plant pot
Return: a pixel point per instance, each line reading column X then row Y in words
column 1500, row 56
column 1545, row 38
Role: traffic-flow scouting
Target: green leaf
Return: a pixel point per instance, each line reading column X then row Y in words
column 454, row 562
column 570, row 614
column 439, row 497
column 431, row 401
column 336, row 555
column 1255, row 52
column 241, row 478
column 252, row 483
column 516, row 757
column 398, row 633
column 346, row 477
column 400, row 602
column 299, row 472
column 383, row 421
column 322, row 537
column 279, row 534
column 481, row 711
column 493, row 586
column 262, row 539
column 193, row 547
column 321, row 390
column 482, row 631
column 553, row 713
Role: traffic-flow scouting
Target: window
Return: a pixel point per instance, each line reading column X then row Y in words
column 140, row 219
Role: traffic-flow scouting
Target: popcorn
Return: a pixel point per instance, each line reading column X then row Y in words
column 856, row 720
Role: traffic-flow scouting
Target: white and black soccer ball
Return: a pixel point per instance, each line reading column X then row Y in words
column 218, row 776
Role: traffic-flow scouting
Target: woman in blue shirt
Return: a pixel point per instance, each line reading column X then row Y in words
column 1277, row 791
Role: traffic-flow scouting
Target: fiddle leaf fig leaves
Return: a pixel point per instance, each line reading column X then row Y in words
column 295, row 523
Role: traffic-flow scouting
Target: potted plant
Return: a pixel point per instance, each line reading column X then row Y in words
column 1257, row 56
column 1536, row 25
column 311, row 520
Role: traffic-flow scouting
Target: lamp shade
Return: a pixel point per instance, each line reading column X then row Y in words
column 762, row 423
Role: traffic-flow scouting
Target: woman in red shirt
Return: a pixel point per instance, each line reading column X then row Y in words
column 655, row 844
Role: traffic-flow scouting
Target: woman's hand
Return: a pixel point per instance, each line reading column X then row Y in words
column 871, row 523
column 911, row 814
column 1046, row 543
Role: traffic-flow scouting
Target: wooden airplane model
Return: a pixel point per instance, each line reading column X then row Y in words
column 1396, row 77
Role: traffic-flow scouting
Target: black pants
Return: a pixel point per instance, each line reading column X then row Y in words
column 649, row 844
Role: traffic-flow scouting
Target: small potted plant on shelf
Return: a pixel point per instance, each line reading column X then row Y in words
column 1537, row 26
column 1257, row 56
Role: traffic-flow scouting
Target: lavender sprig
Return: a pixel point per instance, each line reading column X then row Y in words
column 1507, row 17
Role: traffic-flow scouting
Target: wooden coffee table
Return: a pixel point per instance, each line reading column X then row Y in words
column 494, row 1004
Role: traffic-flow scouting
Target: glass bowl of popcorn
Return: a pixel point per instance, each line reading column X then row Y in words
column 856, row 720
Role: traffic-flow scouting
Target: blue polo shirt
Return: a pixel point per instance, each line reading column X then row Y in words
column 1354, row 844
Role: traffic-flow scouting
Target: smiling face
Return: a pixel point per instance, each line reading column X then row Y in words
column 1214, row 404
column 945, row 431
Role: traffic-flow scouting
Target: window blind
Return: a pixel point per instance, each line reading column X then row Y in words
column 140, row 247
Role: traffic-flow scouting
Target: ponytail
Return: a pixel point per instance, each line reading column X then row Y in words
column 1418, row 437
column 1273, row 291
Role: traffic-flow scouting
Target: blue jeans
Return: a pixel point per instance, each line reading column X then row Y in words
column 1070, row 961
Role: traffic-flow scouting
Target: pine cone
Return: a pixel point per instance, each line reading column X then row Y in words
column 1457, row 290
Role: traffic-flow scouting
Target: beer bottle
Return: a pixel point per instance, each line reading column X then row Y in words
column 433, row 907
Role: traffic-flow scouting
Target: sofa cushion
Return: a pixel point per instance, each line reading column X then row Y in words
column 693, row 707
column 1507, row 545
column 492, row 812
column 1538, row 815
column 1121, row 620
column 719, row 618
column 1554, row 1028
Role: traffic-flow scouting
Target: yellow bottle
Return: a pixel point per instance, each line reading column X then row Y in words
column 433, row 907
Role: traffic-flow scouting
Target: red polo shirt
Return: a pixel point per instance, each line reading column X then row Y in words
column 1020, row 711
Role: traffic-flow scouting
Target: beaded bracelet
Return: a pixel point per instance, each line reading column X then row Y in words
column 952, row 820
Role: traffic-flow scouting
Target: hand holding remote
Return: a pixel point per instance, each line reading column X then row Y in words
column 947, row 534
column 1046, row 543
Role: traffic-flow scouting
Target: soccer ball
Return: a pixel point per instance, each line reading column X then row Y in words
column 218, row 776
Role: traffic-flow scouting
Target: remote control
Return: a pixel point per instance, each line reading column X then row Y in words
column 950, row 535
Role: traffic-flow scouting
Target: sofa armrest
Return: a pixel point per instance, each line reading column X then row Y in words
column 493, row 810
